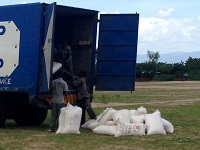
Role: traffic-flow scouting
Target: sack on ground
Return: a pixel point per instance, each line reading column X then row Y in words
column 87, row 123
column 61, row 121
column 106, row 116
column 154, row 123
column 132, row 111
column 121, row 116
column 137, row 119
column 169, row 128
column 72, row 119
column 93, row 125
column 105, row 129
column 110, row 123
column 127, row 129
column 101, row 114
column 141, row 111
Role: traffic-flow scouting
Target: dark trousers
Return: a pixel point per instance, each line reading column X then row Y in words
column 86, row 106
column 55, row 115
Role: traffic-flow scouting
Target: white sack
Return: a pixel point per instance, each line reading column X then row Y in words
column 137, row 119
column 106, row 116
column 169, row 128
column 101, row 114
column 93, row 125
column 121, row 116
column 104, row 129
column 110, row 123
column 72, row 119
column 61, row 122
column 141, row 111
column 154, row 123
column 87, row 123
column 132, row 111
column 126, row 129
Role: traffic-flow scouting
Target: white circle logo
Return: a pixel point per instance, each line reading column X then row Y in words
column 9, row 48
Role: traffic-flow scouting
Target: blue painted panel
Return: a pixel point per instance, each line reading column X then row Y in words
column 115, row 83
column 118, row 38
column 28, row 20
column 117, row 52
column 116, row 68
column 122, row 22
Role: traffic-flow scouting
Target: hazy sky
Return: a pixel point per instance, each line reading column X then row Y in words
column 165, row 25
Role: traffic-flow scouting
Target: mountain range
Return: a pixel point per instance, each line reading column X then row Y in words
column 170, row 58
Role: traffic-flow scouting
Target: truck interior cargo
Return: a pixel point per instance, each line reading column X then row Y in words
column 76, row 27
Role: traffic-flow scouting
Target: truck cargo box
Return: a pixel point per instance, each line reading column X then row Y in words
column 30, row 37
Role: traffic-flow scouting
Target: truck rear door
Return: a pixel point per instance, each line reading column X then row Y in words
column 46, row 56
column 117, row 52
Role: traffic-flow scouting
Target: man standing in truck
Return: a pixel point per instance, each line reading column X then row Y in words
column 59, row 89
column 64, row 56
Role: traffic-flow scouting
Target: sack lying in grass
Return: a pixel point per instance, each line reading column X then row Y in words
column 93, row 125
column 141, row 111
column 61, row 121
column 106, row 116
column 126, row 129
column 169, row 128
column 137, row 119
column 154, row 123
column 121, row 116
column 104, row 129
column 72, row 119
column 101, row 114
column 132, row 111
column 110, row 123
column 87, row 123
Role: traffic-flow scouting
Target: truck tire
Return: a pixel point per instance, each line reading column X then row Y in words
column 3, row 114
column 28, row 115
column 40, row 115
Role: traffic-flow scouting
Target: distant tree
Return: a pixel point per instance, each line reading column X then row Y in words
column 145, row 69
column 178, row 69
column 164, row 68
column 153, row 58
column 193, row 68
column 192, row 64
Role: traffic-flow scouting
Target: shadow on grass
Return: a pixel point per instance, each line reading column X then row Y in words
column 11, row 125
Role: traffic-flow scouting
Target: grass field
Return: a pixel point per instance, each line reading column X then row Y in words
column 178, row 102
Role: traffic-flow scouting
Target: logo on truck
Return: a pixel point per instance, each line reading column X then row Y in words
column 9, row 48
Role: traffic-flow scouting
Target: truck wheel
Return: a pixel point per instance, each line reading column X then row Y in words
column 28, row 115
column 39, row 115
column 2, row 114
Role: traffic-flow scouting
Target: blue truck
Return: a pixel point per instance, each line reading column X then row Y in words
column 105, row 46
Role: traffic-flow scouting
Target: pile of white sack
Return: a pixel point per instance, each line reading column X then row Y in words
column 118, row 123
column 129, row 122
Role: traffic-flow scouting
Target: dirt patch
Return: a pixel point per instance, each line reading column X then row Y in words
column 169, row 85
column 154, row 103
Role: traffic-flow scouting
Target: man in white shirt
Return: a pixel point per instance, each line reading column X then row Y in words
column 59, row 89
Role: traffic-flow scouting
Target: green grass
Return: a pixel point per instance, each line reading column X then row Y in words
column 185, row 119
column 147, row 95
column 152, row 91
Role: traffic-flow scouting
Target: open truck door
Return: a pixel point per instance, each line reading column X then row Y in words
column 47, row 47
column 117, row 52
